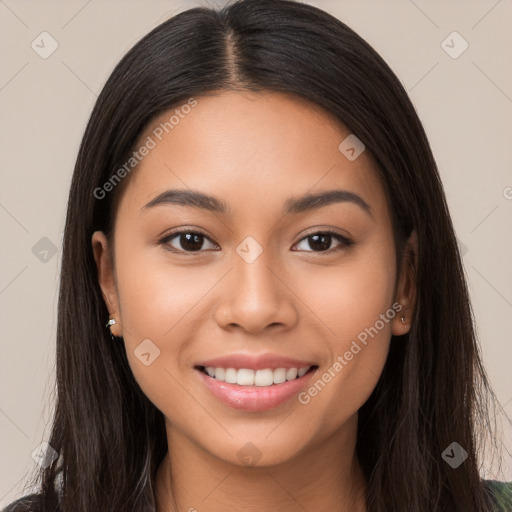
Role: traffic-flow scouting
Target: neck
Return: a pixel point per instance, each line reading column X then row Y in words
column 324, row 477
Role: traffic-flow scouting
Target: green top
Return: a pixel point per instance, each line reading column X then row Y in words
column 501, row 494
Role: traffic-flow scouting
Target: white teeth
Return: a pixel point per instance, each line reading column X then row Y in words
column 220, row 374
column 264, row 377
column 247, row 377
column 230, row 376
column 291, row 373
column 302, row 371
column 279, row 375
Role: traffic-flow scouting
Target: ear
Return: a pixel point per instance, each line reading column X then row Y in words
column 406, row 288
column 103, row 258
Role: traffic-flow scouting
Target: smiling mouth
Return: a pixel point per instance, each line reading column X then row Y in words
column 266, row 377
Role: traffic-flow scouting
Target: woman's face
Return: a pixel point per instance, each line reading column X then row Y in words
column 261, row 279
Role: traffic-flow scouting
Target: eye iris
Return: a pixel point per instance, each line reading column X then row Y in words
column 187, row 241
column 321, row 246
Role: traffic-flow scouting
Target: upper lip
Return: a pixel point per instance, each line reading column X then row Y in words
column 260, row 362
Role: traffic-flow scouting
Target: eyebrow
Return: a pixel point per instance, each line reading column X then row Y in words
column 307, row 202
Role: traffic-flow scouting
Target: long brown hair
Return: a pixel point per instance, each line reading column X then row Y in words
column 433, row 391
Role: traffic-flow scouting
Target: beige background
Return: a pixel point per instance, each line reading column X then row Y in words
column 464, row 103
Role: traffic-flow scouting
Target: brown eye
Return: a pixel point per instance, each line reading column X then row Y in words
column 185, row 241
column 321, row 241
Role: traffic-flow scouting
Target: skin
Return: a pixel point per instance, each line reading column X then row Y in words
column 254, row 151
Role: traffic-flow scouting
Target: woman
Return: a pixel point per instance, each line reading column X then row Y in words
column 256, row 215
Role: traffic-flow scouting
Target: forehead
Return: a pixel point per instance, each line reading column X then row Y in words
column 252, row 150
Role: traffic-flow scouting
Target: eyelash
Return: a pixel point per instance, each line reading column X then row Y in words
column 345, row 242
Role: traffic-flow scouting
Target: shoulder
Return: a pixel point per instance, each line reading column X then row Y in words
column 29, row 503
column 500, row 493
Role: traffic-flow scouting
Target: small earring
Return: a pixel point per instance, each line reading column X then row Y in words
column 403, row 319
column 111, row 321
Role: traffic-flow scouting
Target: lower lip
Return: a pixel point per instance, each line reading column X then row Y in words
column 254, row 398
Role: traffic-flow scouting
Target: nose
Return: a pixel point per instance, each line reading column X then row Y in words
column 257, row 296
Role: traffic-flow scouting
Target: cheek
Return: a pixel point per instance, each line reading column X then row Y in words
column 157, row 301
column 155, row 294
column 351, row 296
column 163, row 302
column 353, row 302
